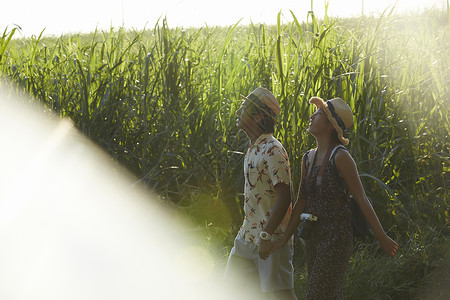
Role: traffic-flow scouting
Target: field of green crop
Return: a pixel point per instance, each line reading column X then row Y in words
column 162, row 102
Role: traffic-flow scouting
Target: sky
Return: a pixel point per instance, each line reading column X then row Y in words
column 68, row 16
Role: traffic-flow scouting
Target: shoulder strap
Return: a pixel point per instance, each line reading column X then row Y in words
column 333, row 153
column 309, row 162
column 310, row 159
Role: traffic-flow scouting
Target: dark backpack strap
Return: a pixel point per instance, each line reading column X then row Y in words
column 333, row 153
column 307, row 164
column 359, row 223
column 309, row 161
column 306, row 159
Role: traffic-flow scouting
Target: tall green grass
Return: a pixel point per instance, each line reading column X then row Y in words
column 5, row 40
column 162, row 102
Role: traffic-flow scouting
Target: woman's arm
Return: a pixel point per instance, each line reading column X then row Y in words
column 347, row 169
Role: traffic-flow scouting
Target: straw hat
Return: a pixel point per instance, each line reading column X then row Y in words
column 338, row 112
column 263, row 96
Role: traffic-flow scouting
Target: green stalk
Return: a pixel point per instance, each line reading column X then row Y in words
column 4, row 41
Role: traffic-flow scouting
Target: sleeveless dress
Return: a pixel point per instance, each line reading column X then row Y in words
column 330, row 246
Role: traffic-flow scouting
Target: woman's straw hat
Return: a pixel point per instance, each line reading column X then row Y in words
column 338, row 112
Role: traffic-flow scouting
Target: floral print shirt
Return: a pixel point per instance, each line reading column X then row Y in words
column 265, row 165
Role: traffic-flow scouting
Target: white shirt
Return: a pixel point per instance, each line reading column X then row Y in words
column 265, row 165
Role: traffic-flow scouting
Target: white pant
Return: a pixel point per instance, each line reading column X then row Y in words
column 276, row 273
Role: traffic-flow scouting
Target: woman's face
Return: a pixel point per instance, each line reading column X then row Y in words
column 318, row 122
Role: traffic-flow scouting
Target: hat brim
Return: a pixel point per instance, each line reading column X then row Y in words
column 320, row 103
column 244, row 97
column 270, row 112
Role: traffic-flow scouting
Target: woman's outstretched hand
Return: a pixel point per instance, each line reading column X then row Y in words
column 389, row 246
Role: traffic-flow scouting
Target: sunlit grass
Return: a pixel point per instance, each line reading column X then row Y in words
column 162, row 102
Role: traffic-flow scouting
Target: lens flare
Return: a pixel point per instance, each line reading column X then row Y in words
column 73, row 226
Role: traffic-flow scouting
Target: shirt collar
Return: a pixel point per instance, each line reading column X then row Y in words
column 260, row 139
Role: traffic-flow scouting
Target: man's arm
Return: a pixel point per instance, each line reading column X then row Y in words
column 277, row 214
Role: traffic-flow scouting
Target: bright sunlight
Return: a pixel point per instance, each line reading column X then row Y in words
column 59, row 17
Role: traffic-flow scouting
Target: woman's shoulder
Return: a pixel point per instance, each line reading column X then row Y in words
column 336, row 149
column 341, row 151
column 309, row 153
column 308, row 157
column 342, row 156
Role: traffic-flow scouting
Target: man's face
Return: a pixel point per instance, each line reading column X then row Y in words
column 244, row 118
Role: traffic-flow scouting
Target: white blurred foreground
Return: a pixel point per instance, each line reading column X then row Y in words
column 72, row 226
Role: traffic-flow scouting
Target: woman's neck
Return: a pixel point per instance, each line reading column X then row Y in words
column 323, row 144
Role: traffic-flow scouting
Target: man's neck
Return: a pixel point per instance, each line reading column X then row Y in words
column 253, row 135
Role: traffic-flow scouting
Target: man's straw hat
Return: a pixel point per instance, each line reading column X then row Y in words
column 263, row 96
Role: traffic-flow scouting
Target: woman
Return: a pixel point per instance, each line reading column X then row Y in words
column 329, row 176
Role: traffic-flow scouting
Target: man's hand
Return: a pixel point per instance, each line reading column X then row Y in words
column 264, row 249
column 275, row 245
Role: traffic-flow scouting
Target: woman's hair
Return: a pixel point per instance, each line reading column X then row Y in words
column 335, row 137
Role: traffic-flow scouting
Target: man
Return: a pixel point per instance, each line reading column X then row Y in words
column 267, row 203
